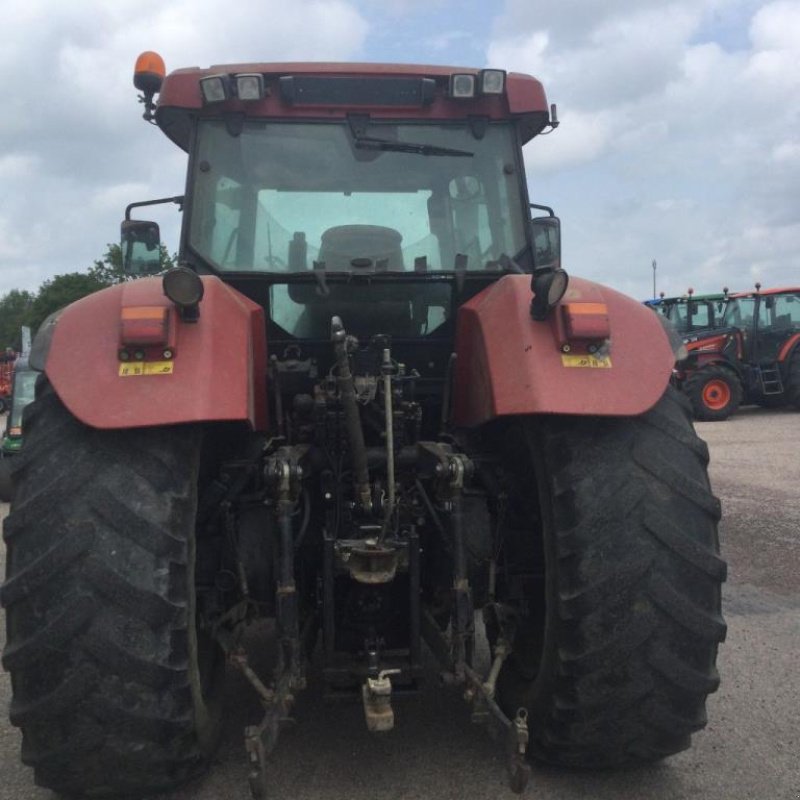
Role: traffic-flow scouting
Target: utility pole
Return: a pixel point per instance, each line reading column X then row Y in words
column 654, row 279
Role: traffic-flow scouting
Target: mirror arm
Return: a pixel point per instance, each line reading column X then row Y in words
column 178, row 200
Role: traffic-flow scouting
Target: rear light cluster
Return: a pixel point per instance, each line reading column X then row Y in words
column 146, row 334
column 250, row 86
column 150, row 333
column 583, row 327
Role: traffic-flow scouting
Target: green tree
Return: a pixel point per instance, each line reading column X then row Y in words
column 109, row 269
column 61, row 291
column 15, row 310
column 18, row 308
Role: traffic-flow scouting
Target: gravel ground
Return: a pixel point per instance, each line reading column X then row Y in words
column 749, row 749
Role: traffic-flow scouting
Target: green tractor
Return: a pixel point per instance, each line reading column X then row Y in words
column 368, row 404
column 689, row 313
column 22, row 394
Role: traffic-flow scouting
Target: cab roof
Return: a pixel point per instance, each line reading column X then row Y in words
column 180, row 99
column 684, row 298
column 779, row 290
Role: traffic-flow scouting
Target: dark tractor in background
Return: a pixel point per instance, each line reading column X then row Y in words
column 754, row 356
column 368, row 403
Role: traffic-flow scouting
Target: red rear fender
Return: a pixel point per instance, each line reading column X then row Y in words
column 216, row 370
column 509, row 364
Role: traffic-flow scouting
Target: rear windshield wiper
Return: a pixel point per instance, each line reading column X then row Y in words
column 387, row 145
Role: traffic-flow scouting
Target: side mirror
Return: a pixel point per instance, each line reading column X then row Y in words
column 546, row 242
column 141, row 247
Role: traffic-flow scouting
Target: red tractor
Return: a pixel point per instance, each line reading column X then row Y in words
column 753, row 357
column 366, row 404
column 7, row 361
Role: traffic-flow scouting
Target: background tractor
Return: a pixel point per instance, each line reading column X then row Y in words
column 691, row 312
column 7, row 361
column 366, row 404
column 22, row 393
column 754, row 357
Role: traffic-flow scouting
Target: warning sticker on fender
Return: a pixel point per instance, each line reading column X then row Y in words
column 129, row 369
column 589, row 362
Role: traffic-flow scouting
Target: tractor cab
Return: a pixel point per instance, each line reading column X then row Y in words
column 690, row 313
column 384, row 194
column 769, row 322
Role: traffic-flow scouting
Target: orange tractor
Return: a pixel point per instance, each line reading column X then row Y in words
column 753, row 357
column 368, row 403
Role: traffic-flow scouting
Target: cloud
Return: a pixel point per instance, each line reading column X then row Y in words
column 581, row 137
column 403, row 7
column 776, row 26
column 446, row 39
column 620, row 60
column 678, row 137
column 672, row 145
column 71, row 136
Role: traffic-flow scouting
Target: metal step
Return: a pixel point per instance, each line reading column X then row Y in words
column 770, row 379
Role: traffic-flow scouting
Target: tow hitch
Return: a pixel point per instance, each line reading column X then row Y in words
column 371, row 551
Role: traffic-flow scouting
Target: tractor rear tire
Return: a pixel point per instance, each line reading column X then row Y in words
column 792, row 389
column 616, row 653
column 114, row 688
column 715, row 392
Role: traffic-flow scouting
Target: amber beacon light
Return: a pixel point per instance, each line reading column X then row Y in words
column 148, row 75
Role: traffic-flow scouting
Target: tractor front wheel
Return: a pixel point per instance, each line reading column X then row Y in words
column 616, row 644
column 114, row 687
column 715, row 392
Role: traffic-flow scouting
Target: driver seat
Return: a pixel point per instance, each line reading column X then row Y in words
column 340, row 245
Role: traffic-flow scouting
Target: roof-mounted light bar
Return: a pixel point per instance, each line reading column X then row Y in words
column 324, row 90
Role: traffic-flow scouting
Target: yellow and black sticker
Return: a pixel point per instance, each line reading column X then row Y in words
column 589, row 362
column 130, row 368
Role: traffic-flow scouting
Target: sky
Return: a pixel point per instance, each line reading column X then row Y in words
column 679, row 139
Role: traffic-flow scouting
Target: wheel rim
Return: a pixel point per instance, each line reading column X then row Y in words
column 716, row 394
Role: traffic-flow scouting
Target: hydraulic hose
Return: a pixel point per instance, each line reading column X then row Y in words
column 386, row 369
column 347, row 396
